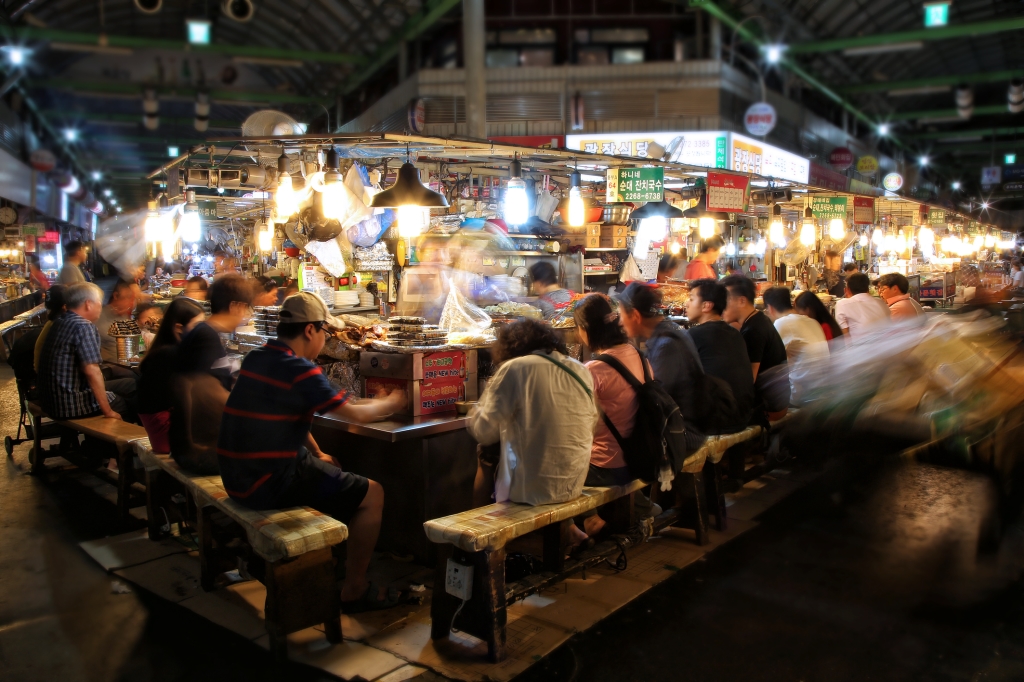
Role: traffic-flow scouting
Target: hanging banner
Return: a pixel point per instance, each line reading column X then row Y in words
column 727, row 192
column 34, row 229
column 828, row 208
column 826, row 178
column 863, row 210
column 207, row 210
column 635, row 184
column 936, row 216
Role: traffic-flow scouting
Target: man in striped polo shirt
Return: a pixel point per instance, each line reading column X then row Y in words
column 269, row 459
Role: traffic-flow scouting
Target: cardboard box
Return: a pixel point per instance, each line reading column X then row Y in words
column 613, row 242
column 614, row 230
column 570, row 240
column 593, row 241
column 594, row 229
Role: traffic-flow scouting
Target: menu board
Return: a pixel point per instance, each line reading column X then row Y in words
column 727, row 192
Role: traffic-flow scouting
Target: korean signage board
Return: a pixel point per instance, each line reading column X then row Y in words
column 867, row 165
column 34, row 229
column 828, row 208
column 841, row 158
column 727, row 192
column 760, row 119
column 826, row 178
column 892, row 182
column 207, row 209
column 718, row 149
column 1013, row 172
column 863, row 210
column 991, row 175
column 748, row 155
column 636, row 184
column 699, row 148
column 936, row 216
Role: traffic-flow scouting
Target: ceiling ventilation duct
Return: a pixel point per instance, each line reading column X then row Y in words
column 149, row 6
column 238, row 10
column 1015, row 96
column 964, row 101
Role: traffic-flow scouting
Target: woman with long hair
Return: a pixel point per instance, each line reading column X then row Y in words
column 157, row 366
column 597, row 325
column 810, row 305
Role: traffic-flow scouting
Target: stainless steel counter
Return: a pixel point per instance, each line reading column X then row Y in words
column 396, row 429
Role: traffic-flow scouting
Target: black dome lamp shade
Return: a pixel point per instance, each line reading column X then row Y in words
column 656, row 209
column 408, row 191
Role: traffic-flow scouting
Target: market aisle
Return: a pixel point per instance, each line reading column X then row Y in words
column 858, row 576
column 60, row 620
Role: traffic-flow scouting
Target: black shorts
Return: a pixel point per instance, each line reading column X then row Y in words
column 324, row 487
column 489, row 455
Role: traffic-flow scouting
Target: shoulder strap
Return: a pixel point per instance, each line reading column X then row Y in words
column 573, row 374
column 625, row 373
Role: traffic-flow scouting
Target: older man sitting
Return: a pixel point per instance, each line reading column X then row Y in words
column 70, row 381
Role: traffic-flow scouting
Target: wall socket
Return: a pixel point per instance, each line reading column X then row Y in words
column 458, row 580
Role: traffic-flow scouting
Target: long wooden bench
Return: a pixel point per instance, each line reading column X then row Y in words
column 114, row 431
column 294, row 545
column 478, row 538
column 7, row 333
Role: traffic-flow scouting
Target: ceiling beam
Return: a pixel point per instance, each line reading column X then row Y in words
column 953, row 134
column 953, row 80
column 135, row 89
column 427, row 16
column 121, row 119
column 938, row 33
column 27, row 33
column 999, row 148
column 991, row 110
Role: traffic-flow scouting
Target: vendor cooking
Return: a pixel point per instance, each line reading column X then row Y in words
column 552, row 298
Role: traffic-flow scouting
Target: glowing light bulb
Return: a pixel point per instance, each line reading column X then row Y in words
column 926, row 238
column 807, row 236
column 777, row 233
column 190, row 228
column 900, row 243
column 979, row 243
column 863, row 241
column 334, row 201
column 286, row 199
column 877, row 237
column 517, row 206
column 651, row 229
column 577, row 215
column 674, row 248
column 730, row 249
column 990, row 241
column 265, row 236
column 706, row 227
column 837, row 229
column 411, row 220
column 153, row 229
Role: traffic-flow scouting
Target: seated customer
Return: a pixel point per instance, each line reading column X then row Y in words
column 894, row 289
column 55, row 306
column 539, row 405
column 765, row 349
column 196, row 288
column 70, row 380
column 269, row 460
column 597, row 326
column 722, row 351
column 156, row 370
column 804, row 339
column 203, row 377
column 122, row 303
column 671, row 353
column 860, row 311
column 552, row 299
column 809, row 305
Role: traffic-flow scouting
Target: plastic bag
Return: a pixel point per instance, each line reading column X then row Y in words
column 631, row 271
column 461, row 315
column 367, row 231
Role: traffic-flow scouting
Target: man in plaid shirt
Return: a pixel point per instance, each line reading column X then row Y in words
column 70, row 379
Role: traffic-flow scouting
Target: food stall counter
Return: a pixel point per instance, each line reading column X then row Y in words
column 395, row 429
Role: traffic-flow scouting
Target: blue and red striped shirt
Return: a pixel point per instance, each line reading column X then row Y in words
column 266, row 421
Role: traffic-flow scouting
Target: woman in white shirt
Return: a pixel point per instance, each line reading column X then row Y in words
column 539, row 407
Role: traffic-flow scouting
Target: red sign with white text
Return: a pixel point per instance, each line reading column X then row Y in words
column 727, row 192
column 863, row 210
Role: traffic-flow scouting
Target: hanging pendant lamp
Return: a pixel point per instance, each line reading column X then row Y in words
column 408, row 191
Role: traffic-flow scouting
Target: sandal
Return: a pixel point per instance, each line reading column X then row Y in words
column 370, row 602
column 576, row 550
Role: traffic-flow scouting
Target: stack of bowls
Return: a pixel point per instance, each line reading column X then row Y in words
column 346, row 299
column 265, row 320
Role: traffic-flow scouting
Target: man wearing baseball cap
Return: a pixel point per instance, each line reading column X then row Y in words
column 671, row 352
column 269, row 459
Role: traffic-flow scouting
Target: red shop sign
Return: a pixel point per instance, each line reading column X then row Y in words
column 841, row 158
column 727, row 192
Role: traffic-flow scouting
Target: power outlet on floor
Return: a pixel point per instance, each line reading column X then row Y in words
column 458, row 580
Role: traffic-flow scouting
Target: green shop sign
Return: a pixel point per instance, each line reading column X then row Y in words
column 936, row 216
column 635, row 184
column 828, row 208
column 207, row 209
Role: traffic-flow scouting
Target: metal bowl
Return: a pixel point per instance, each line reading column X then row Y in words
column 464, row 406
column 617, row 214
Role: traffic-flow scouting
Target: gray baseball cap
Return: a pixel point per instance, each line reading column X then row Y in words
column 307, row 306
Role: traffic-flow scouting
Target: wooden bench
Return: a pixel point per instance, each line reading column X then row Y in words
column 7, row 333
column 478, row 538
column 114, row 431
column 293, row 544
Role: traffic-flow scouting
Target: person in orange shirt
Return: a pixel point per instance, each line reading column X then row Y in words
column 700, row 266
column 894, row 289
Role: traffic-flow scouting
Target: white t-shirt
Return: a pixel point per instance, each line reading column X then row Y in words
column 1018, row 279
column 860, row 312
column 805, row 345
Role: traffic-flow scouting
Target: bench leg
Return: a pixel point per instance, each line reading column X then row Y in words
column 38, row 456
column 484, row 615
column 556, row 539
column 302, row 592
column 715, row 493
column 207, row 560
column 692, row 505
column 154, row 481
column 125, row 476
column 621, row 514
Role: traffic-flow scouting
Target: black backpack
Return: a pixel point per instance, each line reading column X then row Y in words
column 659, row 436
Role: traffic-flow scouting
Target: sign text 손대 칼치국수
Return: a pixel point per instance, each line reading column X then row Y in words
column 636, row 184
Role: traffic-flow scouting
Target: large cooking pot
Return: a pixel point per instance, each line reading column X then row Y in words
column 617, row 214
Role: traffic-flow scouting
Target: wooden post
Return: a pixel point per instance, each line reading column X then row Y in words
column 692, row 505
column 556, row 539
column 154, row 482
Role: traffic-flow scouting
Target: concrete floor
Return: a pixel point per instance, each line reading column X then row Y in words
column 862, row 575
